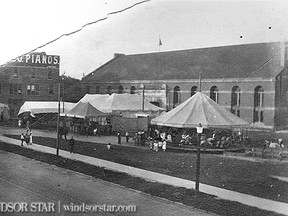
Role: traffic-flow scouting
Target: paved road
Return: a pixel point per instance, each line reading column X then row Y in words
column 26, row 180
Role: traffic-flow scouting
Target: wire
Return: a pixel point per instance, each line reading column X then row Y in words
column 78, row 30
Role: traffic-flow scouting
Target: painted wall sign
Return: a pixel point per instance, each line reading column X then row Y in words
column 36, row 60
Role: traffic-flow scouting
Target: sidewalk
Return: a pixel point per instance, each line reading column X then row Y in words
column 265, row 204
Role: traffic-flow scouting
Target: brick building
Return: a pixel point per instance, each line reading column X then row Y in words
column 250, row 80
column 33, row 77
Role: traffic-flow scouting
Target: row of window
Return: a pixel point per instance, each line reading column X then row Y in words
column 32, row 89
column 214, row 95
column 33, row 73
column 235, row 100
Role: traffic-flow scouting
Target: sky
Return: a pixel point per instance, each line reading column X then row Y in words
column 188, row 24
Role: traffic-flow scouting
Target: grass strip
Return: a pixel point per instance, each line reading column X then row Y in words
column 176, row 194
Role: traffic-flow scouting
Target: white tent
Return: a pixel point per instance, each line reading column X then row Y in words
column 37, row 107
column 125, row 104
column 199, row 109
column 83, row 110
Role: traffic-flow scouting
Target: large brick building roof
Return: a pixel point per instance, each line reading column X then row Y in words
column 260, row 60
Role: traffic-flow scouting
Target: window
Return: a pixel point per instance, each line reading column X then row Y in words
column 97, row 89
column 49, row 73
column 33, row 73
column 15, row 89
column 19, row 89
column 214, row 95
column 109, row 90
column 120, row 90
column 87, row 89
column 11, row 88
column 37, row 89
column 28, row 89
column 176, row 96
column 15, row 69
column 258, row 104
column 235, row 101
column 31, row 89
column 51, row 90
column 193, row 90
column 132, row 90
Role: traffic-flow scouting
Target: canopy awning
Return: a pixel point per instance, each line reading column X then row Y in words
column 37, row 107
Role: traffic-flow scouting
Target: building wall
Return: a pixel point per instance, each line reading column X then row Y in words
column 281, row 100
column 14, row 81
column 162, row 91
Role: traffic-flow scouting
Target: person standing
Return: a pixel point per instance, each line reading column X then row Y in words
column 22, row 139
column 30, row 140
column 72, row 143
column 119, row 138
column 127, row 136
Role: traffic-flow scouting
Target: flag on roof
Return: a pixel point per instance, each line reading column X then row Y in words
column 160, row 42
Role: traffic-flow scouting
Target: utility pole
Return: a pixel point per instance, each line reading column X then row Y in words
column 58, row 120
column 143, row 96
column 200, row 81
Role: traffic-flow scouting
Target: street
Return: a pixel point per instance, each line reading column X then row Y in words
column 32, row 182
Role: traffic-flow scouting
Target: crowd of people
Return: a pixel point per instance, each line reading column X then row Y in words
column 159, row 140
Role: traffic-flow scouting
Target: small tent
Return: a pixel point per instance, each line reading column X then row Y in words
column 4, row 112
column 83, row 110
column 199, row 109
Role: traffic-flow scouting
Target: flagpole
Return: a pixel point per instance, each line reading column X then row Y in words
column 160, row 43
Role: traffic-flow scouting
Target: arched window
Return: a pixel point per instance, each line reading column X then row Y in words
column 214, row 95
column 88, row 89
column 109, row 90
column 193, row 90
column 176, row 96
column 132, row 90
column 235, row 100
column 97, row 89
column 120, row 89
column 258, row 104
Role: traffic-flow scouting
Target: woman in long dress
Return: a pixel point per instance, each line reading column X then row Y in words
column 31, row 140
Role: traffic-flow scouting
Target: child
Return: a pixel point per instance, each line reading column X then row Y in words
column 109, row 146
column 164, row 145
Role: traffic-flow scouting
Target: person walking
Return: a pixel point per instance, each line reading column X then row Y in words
column 22, row 139
column 127, row 136
column 109, row 146
column 119, row 138
column 72, row 143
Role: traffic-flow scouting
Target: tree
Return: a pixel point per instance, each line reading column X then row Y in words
column 71, row 87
